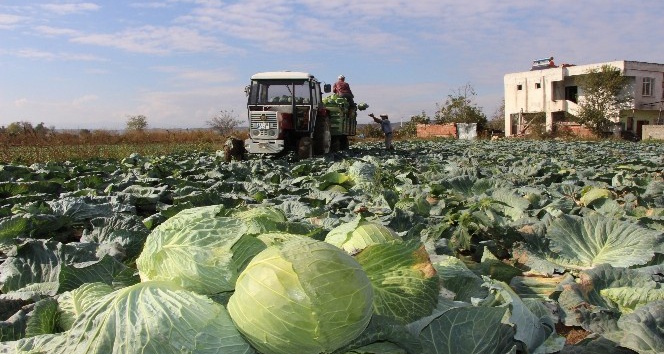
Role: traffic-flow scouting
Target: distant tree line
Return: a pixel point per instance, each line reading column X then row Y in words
column 26, row 128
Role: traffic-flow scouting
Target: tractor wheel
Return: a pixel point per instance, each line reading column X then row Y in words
column 343, row 142
column 234, row 149
column 304, row 149
column 336, row 144
column 322, row 137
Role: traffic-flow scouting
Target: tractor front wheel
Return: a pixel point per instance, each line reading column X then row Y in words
column 304, row 149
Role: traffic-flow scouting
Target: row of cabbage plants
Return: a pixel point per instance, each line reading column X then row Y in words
column 438, row 247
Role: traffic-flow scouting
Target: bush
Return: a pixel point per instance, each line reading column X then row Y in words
column 224, row 123
column 137, row 123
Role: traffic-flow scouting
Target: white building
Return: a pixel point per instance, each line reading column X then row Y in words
column 553, row 90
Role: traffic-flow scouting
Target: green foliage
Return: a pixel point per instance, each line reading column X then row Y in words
column 460, row 108
column 370, row 131
column 604, row 95
column 409, row 129
column 137, row 123
column 497, row 122
column 26, row 129
column 224, row 122
column 535, row 125
column 421, row 118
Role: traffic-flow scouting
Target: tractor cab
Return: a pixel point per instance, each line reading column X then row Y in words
column 283, row 108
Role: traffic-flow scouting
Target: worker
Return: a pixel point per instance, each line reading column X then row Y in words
column 342, row 89
column 386, row 127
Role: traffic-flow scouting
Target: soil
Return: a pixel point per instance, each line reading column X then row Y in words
column 573, row 335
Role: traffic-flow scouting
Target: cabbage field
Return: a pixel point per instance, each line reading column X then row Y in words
column 450, row 246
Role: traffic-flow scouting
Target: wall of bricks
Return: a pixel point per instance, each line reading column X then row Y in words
column 576, row 130
column 436, row 130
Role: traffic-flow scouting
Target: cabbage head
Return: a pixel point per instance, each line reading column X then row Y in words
column 302, row 296
column 148, row 317
column 200, row 249
column 356, row 235
column 72, row 303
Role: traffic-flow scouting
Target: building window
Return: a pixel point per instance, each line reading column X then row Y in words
column 571, row 93
column 519, row 87
column 648, row 84
column 538, row 85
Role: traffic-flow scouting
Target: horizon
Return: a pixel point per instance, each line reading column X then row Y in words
column 92, row 64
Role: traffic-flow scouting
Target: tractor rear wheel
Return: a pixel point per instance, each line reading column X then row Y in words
column 343, row 142
column 336, row 143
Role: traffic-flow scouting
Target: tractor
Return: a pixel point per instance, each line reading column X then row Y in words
column 287, row 112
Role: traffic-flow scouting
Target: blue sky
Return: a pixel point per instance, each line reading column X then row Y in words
column 91, row 64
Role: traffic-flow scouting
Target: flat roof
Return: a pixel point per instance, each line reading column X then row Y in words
column 281, row 75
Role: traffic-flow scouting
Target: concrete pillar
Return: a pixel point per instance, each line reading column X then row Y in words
column 549, row 120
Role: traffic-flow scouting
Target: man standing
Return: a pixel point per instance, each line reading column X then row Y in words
column 342, row 89
column 386, row 127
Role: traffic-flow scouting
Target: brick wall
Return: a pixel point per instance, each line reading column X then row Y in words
column 436, row 130
column 575, row 129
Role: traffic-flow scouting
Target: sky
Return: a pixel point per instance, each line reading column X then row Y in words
column 93, row 64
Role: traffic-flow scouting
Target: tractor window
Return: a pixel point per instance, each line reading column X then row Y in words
column 279, row 92
column 316, row 94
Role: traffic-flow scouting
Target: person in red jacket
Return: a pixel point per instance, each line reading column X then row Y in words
column 342, row 89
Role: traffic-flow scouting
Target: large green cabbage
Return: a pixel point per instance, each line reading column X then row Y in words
column 196, row 249
column 149, row 317
column 72, row 303
column 303, row 296
column 356, row 235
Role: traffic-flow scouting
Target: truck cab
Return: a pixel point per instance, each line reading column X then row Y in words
column 286, row 112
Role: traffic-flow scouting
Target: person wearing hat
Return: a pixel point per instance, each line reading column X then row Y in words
column 386, row 127
column 342, row 89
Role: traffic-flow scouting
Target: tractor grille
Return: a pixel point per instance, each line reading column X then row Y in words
column 263, row 124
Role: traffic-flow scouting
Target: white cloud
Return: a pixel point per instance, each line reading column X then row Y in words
column 149, row 5
column 55, row 31
column 21, row 102
column 30, row 53
column 84, row 99
column 34, row 54
column 10, row 21
column 183, row 75
column 70, row 8
column 155, row 40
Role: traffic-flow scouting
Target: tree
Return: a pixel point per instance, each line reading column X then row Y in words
column 459, row 108
column 21, row 128
column 224, row 122
column 370, row 130
column 604, row 96
column 409, row 129
column 497, row 121
column 137, row 123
